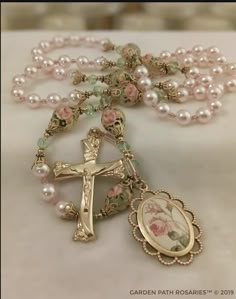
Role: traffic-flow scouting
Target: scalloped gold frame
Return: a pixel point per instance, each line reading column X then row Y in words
column 162, row 254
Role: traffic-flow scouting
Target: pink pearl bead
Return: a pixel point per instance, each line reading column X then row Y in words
column 48, row 192
column 188, row 61
column 17, row 94
column 144, row 83
column 230, row 85
column 150, row 98
column 33, row 100
column 214, row 93
column 183, row 117
column 197, row 50
column 98, row 63
column 165, row 55
column 162, row 110
column 48, row 65
column 182, row 95
column 189, row 83
column 214, row 105
column 216, row 70
column 213, row 51
column 205, row 80
column 203, row 61
column 54, row 100
column 64, row 61
column 19, row 80
column 75, row 97
column 61, row 208
column 91, row 65
column 41, row 171
column 221, row 87
column 59, row 73
column 82, row 62
column 59, row 41
column 31, row 71
column 104, row 42
column 199, row 93
column 36, row 51
column 90, row 41
column 38, row 60
column 231, row 69
column 193, row 72
column 221, row 60
column 203, row 115
column 45, row 46
column 172, row 84
column 74, row 40
column 140, row 71
column 180, row 52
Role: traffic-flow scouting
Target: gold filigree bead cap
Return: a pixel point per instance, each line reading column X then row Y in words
column 113, row 121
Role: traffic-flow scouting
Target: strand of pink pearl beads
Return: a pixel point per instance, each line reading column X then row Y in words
column 58, row 69
column 48, row 190
column 200, row 86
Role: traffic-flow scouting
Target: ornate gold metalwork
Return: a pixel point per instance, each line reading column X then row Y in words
column 151, row 247
column 88, row 171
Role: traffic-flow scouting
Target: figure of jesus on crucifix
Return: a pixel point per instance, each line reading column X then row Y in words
column 88, row 171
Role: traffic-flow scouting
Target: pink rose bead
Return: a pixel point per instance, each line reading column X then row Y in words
column 115, row 190
column 108, row 117
column 64, row 112
column 131, row 92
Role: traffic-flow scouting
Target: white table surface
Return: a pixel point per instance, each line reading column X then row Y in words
column 197, row 163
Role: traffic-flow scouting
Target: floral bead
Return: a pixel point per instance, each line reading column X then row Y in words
column 64, row 112
column 113, row 121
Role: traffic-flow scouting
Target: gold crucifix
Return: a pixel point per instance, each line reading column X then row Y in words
column 88, row 170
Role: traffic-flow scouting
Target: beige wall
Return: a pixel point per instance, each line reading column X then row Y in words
column 126, row 16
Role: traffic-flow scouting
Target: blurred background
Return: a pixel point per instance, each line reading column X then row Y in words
column 118, row 16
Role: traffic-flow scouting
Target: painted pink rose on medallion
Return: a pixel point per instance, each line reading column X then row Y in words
column 115, row 190
column 131, row 92
column 161, row 225
column 64, row 112
column 108, row 117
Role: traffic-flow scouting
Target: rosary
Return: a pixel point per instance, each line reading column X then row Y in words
column 161, row 223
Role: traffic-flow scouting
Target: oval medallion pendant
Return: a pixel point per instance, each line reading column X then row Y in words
column 165, row 227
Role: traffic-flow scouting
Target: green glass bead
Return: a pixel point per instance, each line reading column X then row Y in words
column 123, row 146
column 43, row 143
column 160, row 94
column 92, row 79
column 135, row 47
column 121, row 62
column 173, row 67
column 90, row 110
column 118, row 49
column 98, row 90
column 105, row 101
